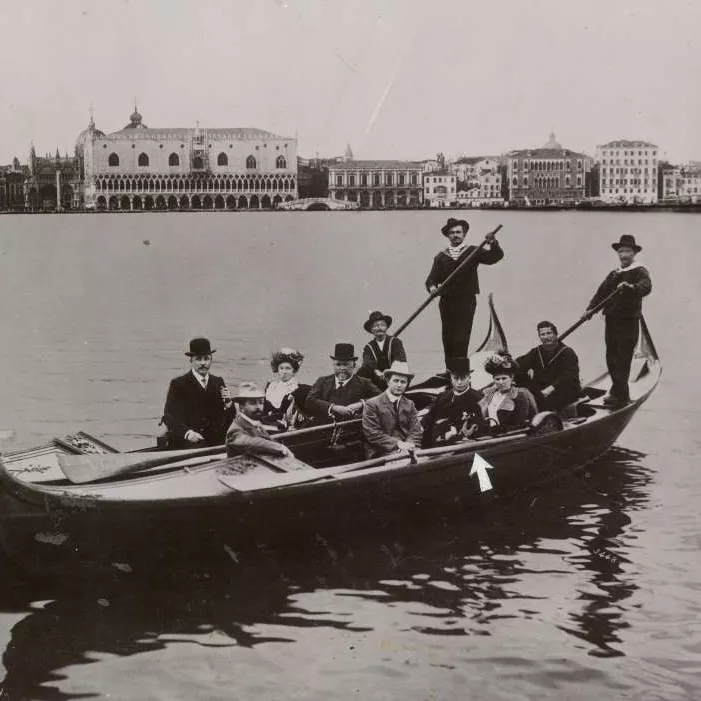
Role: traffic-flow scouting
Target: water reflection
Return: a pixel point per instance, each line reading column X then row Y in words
column 556, row 557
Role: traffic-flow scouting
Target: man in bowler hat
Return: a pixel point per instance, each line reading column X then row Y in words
column 340, row 396
column 622, row 315
column 458, row 300
column 455, row 413
column 381, row 351
column 198, row 407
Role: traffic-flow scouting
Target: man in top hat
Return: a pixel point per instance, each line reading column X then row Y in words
column 458, row 300
column 455, row 413
column 550, row 371
column 390, row 420
column 339, row 396
column 246, row 435
column 381, row 351
column 622, row 316
column 198, row 406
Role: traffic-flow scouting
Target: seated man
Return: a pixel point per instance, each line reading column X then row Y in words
column 340, row 396
column 550, row 371
column 455, row 414
column 390, row 421
column 246, row 435
column 381, row 351
column 198, row 407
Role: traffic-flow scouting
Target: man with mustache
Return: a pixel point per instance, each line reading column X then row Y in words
column 198, row 406
column 459, row 298
column 246, row 435
column 340, row 396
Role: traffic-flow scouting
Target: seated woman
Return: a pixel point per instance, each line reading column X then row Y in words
column 505, row 405
column 284, row 396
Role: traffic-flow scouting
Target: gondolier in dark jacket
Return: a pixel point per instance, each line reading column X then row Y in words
column 550, row 371
column 198, row 408
column 381, row 351
column 622, row 315
column 458, row 300
column 339, row 397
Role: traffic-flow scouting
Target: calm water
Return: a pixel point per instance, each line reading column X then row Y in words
column 589, row 589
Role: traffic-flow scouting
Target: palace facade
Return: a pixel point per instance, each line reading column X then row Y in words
column 377, row 184
column 628, row 172
column 139, row 167
column 682, row 185
column 548, row 175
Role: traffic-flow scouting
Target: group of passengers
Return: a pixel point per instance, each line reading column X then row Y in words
column 201, row 411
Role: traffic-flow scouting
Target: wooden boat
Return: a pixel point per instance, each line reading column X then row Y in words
column 196, row 496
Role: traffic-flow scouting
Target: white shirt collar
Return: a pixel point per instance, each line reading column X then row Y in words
column 391, row 397
column 202, row 380
column 632, row 266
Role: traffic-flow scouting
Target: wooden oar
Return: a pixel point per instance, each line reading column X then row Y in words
column 588, row 316
column 445, row 282
column 89, row 468
column 256, row 482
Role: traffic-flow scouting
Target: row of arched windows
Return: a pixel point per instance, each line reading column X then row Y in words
column 216, row 184
column 174, row 160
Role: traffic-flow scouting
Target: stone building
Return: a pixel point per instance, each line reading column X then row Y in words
column 440, row 189
column 377, row 184
column 628, row 172
column 139, row 167
column 54, row 183
column 479, row 182
column 681, row 185
column 12, row 179
column 548, row 175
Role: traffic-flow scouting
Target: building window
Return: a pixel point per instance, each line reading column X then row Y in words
column 143, row 159
column 414, row 180
column 280, row 162
column 525, row 181
column 113, row 159
column 197, row 163
column 173, row 159
column 376, row 180
column 388, row 179
column 222, row 159
column 363, row 179
column 339, row 180
column 251, row 162
column 401, row 179
column 351, row 180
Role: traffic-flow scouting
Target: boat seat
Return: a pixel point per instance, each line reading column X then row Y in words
column 545, row 422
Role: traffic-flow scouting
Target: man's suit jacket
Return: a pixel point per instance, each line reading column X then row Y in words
column 385, row 424
column 189, row 407
column 247, row 437
column 324, row 393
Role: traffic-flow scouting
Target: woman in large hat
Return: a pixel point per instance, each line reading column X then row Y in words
column 505, row 405
column 381, row 351
column 284, row 396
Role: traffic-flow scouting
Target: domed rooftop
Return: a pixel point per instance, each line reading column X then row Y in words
column 90, row 132
column 136, row 121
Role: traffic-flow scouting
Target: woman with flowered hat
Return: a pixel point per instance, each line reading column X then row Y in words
column 284, row 396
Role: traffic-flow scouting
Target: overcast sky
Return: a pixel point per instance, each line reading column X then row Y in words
column 394, row 78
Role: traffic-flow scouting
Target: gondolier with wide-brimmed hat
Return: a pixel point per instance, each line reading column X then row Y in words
column 381, row 351
column 459, row 298
column 632, row 282
column 198, row 408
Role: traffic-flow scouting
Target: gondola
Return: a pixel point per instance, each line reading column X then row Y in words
column 198, row 495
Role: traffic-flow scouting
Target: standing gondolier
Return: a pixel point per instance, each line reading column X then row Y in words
column 459, row 299
column 632, row 282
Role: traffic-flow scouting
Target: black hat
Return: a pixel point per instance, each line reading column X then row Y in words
column 344, row 351
column 455, row 222
column 377, row 316
column 460, row 366
column 200, row 346
column 501, row 363
column 628, row 241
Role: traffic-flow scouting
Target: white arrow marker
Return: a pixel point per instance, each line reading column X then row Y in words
column 480, row 467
